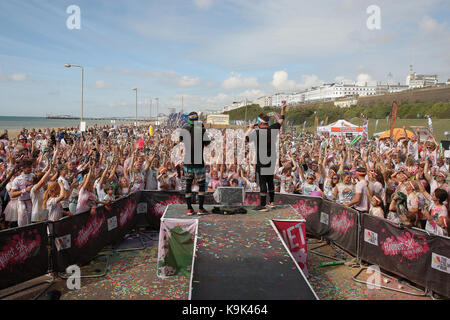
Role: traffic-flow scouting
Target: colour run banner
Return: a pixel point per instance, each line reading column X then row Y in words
column 156, row 203
column 308, row 208
column 78, row 239
column 294, row 236
column 176, row 247
column 342, row 223
column 409, row 253
column 23, row 254
column 438, row 269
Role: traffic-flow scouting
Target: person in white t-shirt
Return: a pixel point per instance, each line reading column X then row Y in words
column 21, row 188
column 37, row 195
column 361, row 200
column 52, row 201
column 437, row 216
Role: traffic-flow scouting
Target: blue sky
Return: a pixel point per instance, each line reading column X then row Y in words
column 211, row 52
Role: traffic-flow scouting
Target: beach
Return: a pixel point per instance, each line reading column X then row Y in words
column 15, row 125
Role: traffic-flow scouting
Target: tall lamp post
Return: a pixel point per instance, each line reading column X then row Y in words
column 135, row 89
column 157, row 109
column 82, row 91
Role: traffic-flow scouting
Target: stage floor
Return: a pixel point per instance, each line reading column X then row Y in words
column 241, row 257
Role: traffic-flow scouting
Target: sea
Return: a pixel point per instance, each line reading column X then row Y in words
column 11, row 123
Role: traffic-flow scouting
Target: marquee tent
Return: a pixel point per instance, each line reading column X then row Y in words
column 340, row 127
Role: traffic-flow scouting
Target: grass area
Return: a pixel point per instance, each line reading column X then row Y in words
column 439, row 125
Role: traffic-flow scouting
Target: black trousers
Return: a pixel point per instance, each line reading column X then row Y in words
column 266, row 185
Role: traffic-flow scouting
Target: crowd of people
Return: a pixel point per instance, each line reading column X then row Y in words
column 48, row 174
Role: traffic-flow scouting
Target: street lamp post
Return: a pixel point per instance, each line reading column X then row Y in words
column 82, row 89
column 135, row 89
column 157, row 109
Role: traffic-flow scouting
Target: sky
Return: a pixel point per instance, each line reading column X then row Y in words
column 210, row 52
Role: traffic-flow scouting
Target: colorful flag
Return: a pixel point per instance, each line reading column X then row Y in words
column 430, row 124
column 393, row 118
column 366, row 129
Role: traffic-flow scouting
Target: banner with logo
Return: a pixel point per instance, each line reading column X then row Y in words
column 176, row 247
column 406, row 252
column 23, row 254
column 78, row 239
column 437, row 277
column 308, row 208
column 156, row 203
column 294, row 236
column 342, row 225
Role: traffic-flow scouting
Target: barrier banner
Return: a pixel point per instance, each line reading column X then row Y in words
column 294, row 236
column 438, row 268
column 78, row 239
column 403, row 251
column 176, row 247
column 308, row 208
column 23, row 254
column 343, row 225
column 157, row 201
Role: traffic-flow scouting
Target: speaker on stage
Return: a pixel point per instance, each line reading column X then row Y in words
column 229, row 195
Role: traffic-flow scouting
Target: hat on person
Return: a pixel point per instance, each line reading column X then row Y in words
column 361, row 171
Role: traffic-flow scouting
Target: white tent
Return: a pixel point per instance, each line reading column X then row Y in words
column 340, row 127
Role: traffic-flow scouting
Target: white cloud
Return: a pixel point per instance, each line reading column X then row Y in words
column 18, row 77
column 364, row 78
column 14, row 77
column 428, row 24
column 168, row 77
column 252, row 94
column 101, row 84
column 203, row 4
column 281, row 81
column 186, row 81
column 236, row 82
column 197, row 103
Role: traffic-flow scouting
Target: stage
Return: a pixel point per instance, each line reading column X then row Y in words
column 243, row 257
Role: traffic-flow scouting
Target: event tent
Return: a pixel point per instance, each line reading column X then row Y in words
column 397, row 134
column 341, row 127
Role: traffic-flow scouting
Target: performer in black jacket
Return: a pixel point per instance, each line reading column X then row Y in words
column 194, row 139
column 266, row 155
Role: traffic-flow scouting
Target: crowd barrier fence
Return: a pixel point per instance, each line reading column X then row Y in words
column 407, row 252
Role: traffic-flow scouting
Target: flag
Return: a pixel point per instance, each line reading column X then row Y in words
column 376, row 125
column 321, row 123
column 326, row 120
column 366, row 129
column 276, row 116
column 316, row 123
column 304, row 125
column 393, row 118
column 430, row 124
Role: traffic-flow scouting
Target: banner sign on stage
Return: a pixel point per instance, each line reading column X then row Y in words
column 294, row 236
column 176, row 247
column 79, row 238
column 23, row 254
